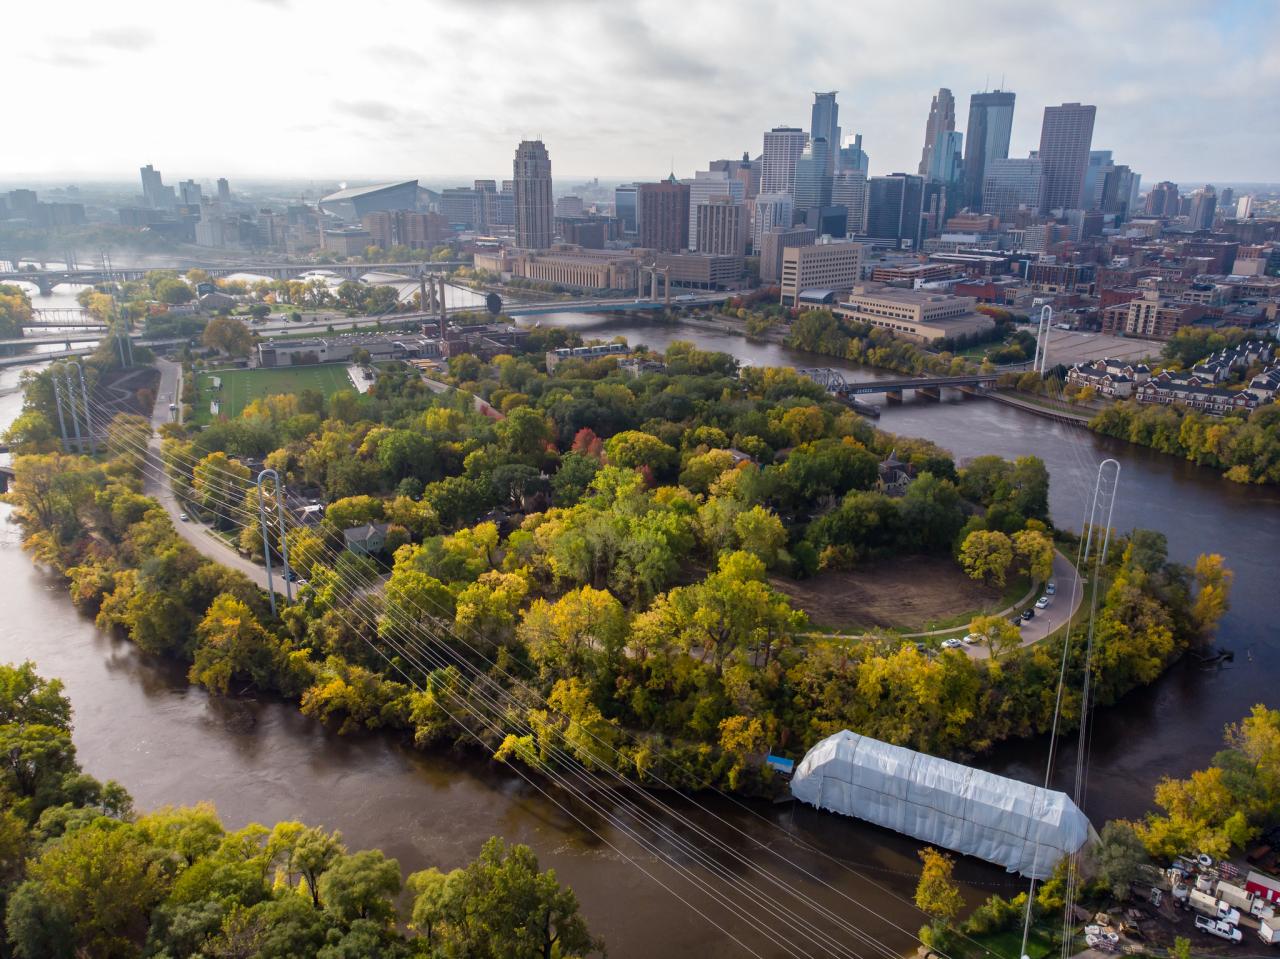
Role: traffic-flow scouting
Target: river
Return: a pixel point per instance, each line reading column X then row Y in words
column 138, row 721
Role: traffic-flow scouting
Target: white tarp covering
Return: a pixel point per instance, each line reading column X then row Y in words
column 1022, row 827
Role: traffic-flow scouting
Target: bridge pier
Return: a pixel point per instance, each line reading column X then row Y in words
column 930, row 393
column 43, row 282
column 893, row 396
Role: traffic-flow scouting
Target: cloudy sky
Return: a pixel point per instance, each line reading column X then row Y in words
column 443, row 89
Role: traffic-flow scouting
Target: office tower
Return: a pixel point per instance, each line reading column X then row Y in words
column 158, row 195
column 1163, row 200
column 189, row 193
column 224, row 190
column 824, row 124
column 773, row 242
column 942, row 119
column 721, row 227
column 1011, row 185
column 813, row 177
column 746, row 171
column 986, row 138
column 624, row 208
column 782, row 149
column 893, row 209
column 823, row 266
column 705, row 185
column 1115, row 189
column 1244, row 208
column 772, row 211
column 570, row 205
column 531, row 173
column 1226, row 198
column 1091, row 195
column 1065, row 137
column 849, row 190
column 853, row 157
column 1204, row 203
column 663, row 211
column 946, row 161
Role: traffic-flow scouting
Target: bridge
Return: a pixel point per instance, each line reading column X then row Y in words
column 62, row 316
column 46, row 280
column 833, row 381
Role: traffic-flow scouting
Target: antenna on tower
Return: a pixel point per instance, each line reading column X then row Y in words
column 1002, row 81
column 986, row 84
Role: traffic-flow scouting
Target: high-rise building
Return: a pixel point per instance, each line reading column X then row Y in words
column 224, row 190
column 849, row 190
column 1065, row 137
column 1116, row 190
column 663, row 212
column 773, row 242
column 782, row 149
column 189, row 193
column 1164, row 200
column 986, row 139
column 624, row 208
column 942, row 119
column 813, row 177
column 1011, row 185
column 946, row 162
column 824, row 124
column 721, row 227
column 853, row 157
column 1226, row 198
column 1244, row 208
column 894, row 205
column 705, row 185
column 832, row 267
column 772, row 211
column 158, row 196
column 1091, row 195
column 531, row 173
column 1204, row 204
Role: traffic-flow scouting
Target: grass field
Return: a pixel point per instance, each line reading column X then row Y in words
column 240, row 387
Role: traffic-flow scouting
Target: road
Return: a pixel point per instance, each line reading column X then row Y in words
column 156, row 484
column 1054, row 615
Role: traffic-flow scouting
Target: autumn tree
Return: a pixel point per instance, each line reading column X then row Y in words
column 1035, row 549
column 232, row 644
column 987, row 555
column 1213, row 589
column 937, row 894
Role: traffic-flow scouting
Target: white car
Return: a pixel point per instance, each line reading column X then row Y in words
column 972, row 638
column 1051, row 587
column 1218, row 927
column 1042, row 602
column 952, row 643
column 183, row 517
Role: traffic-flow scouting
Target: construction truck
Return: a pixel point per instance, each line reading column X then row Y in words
column 1213, row 907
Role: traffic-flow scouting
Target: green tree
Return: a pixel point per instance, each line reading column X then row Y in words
column 937, row 894
column 1035, row 549
column 232, row 644
column 987, row 555
column 1120, row 857
column 362, row 885
column 228, row 335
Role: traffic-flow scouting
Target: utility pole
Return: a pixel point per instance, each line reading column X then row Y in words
column 263, row 512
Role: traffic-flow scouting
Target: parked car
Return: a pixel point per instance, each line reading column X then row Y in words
column 1218, row 927
column 952, row 643
column 183, row 517
column 1028, row 614
column 972, row 638
column 1016, row 621
column 1051, row 587
column 1042, row 602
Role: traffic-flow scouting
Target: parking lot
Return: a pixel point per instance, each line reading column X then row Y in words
column 1076, row 346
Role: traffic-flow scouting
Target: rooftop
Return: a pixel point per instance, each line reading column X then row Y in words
column 352, row 192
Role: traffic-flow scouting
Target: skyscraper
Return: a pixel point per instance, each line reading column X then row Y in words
column 157, row 194
column 942, row 119
column 705, row 185
column 1163, row 200
column 721, row 227
column 224, row 190
column 663, row 210
column 813, row 177
column 772, row 211
column 624, row 207
column 853, row 157
column 1011, row 185
column 531, row 173
column 1204, row 204
column 1091, row 196
column 782, row 149
column 945, row 159
column 986, row 138
column 824, row 124
column 1065, row 137
column 849, row 190
column 893, row 209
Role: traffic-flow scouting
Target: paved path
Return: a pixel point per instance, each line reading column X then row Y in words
column 1054, row 615
column 156, row 484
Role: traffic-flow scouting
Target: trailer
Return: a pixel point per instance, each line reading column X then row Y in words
column 1269, row 931
column 1241, row 898
column 1208, row 905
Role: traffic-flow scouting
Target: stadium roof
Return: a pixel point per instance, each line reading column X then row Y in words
column 357, row 191
column 1022, row 827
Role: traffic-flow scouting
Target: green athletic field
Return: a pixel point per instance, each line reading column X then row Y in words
column 241, row 387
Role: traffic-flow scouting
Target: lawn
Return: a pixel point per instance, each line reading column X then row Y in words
column 240, row 387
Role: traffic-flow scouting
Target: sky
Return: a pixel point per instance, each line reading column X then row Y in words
column 444, row 89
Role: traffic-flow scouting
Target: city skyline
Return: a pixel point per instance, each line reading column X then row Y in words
column 617, row 95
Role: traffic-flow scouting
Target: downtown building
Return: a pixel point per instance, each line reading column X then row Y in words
column 1066, row 135
column 894, row 206
column 825, row 268
column 849, row 190
column 986, row 139
column 709, row 185
column 662, row 210
column 921, row 315
column 535, row 210
column 1013, row 185
column 942, row 119
column 721, row 227
column 774, row 242
column 782, row 149
column 773, row 211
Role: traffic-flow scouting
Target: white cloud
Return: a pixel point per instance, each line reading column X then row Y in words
column 1184, row 90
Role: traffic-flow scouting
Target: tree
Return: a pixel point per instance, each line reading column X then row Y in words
column 937, row 894
column 1213, row 583
column 15, row 310
column 761, row 533
column 581, row 633
column 27, row 698
column 1036, row 550
column 220, row 483
column 173, row 291
column 228, row 335
column 633, row 449
column 1120, row 857
column 1000, row 635
column 987, row 555
column 362, row 885
column 232, row 643
column 310, row 853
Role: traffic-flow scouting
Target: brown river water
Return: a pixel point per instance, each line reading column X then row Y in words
column 139, row 722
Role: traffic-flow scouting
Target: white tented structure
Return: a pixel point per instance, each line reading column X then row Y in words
column 1022, row 827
